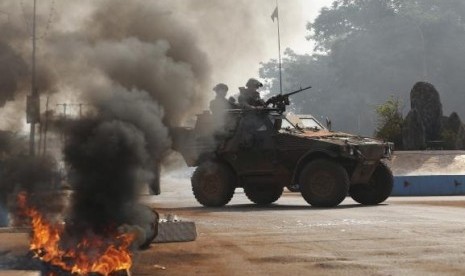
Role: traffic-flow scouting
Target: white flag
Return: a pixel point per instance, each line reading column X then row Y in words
column 275, row 14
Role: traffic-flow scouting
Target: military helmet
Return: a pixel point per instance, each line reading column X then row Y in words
column 253, row 83
column 220, row 87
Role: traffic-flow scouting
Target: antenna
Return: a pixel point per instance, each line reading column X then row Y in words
column 34, row 99
column 279, row 50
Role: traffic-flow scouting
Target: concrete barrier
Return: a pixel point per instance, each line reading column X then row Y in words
column 428, row 173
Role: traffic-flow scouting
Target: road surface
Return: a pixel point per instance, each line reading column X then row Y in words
column 404, row 236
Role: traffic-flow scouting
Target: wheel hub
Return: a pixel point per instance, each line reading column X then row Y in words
column 322, row 184
column 210, row 184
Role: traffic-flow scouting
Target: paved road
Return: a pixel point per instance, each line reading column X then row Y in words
column 405, row 236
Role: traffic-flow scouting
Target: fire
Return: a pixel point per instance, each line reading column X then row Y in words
column 93, row 254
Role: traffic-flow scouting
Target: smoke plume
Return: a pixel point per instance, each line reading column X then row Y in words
column 12, row 70
column 140, row 79
column 140, row 66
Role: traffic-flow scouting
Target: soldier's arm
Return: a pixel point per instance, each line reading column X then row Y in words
column 243, row 102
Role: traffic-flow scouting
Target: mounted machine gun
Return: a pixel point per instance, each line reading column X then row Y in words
column 282, row 100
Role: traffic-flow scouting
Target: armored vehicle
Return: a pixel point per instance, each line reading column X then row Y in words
column 263, row 151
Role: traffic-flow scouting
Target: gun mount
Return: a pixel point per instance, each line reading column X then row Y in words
column 280, row 101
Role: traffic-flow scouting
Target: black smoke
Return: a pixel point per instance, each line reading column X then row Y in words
column 105, row 158
column 139, row 67
column 13, row 70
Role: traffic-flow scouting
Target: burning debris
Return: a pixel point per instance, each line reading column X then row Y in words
column 101, row 254
column 108, row 162
column 139, row 81
column 21, row 172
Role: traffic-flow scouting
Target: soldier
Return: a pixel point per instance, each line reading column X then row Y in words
column 220, row 103
column 253, row 123
column 222, row 122
column 249, row 97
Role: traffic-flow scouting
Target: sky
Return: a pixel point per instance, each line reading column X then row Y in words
column 236, row 35
column 294, row 16
column 310, row 10
column 235, row 45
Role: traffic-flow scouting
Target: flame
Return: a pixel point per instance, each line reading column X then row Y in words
column 93, row 254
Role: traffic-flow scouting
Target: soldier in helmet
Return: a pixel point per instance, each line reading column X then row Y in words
column 220, row 103
column 249, row 97
column 253, row 124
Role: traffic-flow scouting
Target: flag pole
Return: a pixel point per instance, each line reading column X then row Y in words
column 279, row 54
column 34, row 94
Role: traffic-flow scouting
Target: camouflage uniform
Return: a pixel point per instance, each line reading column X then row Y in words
column 251, row 122
column 249, row 97
column 222, row 123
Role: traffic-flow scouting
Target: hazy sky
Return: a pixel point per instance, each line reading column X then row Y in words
column 310, row 10
column 244, row 63
column 236, row 35
column 234, row 42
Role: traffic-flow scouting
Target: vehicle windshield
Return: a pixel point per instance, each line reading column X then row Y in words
column 311, row 123
column 287, row 125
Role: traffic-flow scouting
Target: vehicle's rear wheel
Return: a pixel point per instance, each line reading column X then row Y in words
column 377, row 190
column 213, row 184
column 263, row 194
column 324, row 183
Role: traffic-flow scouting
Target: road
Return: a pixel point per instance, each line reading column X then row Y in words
column 404, row 236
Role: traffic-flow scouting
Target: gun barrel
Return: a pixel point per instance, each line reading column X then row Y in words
column 282, row 100
column 297, row 91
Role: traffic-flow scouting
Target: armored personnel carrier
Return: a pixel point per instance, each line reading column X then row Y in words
column 263, row 151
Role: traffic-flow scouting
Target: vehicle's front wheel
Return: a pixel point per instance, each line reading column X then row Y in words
column 377, row 190
column 213, row 184
column 324, row 183
column 263, row 194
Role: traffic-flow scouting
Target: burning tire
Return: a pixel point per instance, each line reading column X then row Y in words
column 263, row 194
column 377, row 190
column 324, row 183
column 213, row 184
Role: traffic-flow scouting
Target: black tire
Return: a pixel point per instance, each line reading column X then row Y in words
column 263, row 194
column 377, row 190
column 213, row 184
column 293, row 188
column 324, row 183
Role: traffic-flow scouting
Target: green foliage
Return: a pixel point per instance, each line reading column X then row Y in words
column 390, row 121
column 449, row 137
column 367, row 48
column 452, row 132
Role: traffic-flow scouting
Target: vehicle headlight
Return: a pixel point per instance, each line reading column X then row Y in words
column 389, row 149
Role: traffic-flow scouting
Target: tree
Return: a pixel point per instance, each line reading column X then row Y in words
column 367, row 48
column 390, row 121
